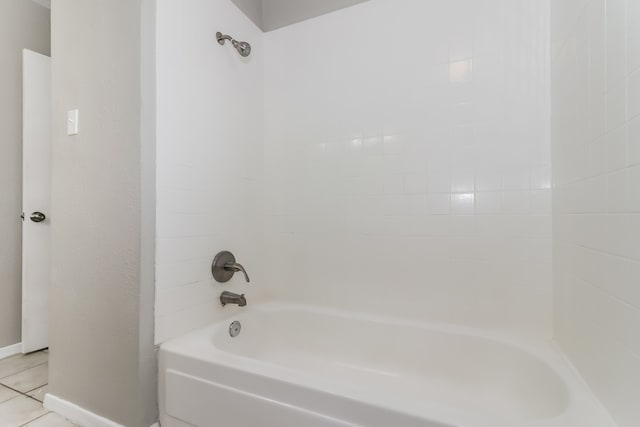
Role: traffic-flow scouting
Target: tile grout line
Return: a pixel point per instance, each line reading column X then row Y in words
column 19, row 372
column 35, row 419
column 25, row 394
column 28, row 397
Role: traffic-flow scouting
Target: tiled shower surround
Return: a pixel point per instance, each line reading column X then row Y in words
column 395, row 157
column 209, row 160
column 407, row 165
column 380, row 158
column 596, row 203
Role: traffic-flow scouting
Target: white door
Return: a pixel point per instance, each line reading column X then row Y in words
column 36, row 200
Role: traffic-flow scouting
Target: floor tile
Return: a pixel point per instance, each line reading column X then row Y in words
column 20, row 362
column 50, row 420
column 29, row 379
column 39, row 393
column 19, row 410
column 6, row 394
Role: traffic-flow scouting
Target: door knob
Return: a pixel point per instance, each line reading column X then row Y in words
column 37, row 217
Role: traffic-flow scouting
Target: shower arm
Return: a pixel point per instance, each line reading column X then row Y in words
column 243, row 48
column 222, row 37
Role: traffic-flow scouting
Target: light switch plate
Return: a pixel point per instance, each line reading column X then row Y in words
column 72, row 122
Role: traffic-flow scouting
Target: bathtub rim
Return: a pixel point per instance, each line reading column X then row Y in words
column 545, row 350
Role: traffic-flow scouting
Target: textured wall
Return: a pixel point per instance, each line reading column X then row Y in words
column 407, row 166
column 102, row 355
column 209, row 169
column 23, row 25
column 596, row 203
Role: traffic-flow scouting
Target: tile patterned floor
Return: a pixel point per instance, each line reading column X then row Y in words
column 23, row 384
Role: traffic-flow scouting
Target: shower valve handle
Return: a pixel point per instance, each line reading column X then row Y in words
column 224, row 266
column 237, row 267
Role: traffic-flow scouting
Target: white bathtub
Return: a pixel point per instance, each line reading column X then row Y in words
column 295, row 366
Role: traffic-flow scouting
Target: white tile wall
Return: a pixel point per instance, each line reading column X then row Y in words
column 407, row 161
column 407, row 175
column 596, row 204
column 209, row 160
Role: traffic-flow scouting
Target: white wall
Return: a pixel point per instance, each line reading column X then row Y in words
column 596, row 205
column 404, row 166
column 23, row 25
column 407, row 165
column 209, row 160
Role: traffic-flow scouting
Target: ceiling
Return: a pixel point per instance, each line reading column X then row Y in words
column 272, row 14
column 45, row 3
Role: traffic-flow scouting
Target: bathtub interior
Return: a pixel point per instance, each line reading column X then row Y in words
column 401, row 365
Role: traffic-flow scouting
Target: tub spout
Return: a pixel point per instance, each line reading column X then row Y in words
column 230, row 298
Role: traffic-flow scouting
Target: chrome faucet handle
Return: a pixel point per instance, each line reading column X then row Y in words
column 224, row 266
column 235, row 266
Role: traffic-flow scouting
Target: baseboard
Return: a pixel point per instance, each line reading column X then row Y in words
column 77, row 414
column 10, row 350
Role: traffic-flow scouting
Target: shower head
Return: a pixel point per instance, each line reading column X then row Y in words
column 243, row 48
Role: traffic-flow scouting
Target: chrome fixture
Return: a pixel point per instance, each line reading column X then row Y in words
column 37, row 217
column 243, row 48
column 230, row 298
column 224, row 266
column 234, row 328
